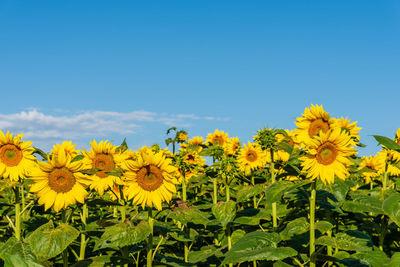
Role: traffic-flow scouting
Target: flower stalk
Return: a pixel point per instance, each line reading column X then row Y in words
column 150, row 238
column 312, row 221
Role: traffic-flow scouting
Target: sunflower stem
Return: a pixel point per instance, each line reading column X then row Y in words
column 254, row 197
column 214, row 191
column 123, row 212
column 65, row 252
column 17, row 213
column 273, row 179
column 228, row 228
column 23, row 202
column 185, row 227
column 183, row 186
column 84, row 215
column 150, row 239
column 312, row 221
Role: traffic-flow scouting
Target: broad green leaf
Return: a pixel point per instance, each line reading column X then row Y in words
column 395, row 260
column 122, row 234
column 190, row 214
column 340, row 188
column 354, row 242
column 203, row 254
column 363, row 203
column 391, row 206
column 374, row 258
column 47, row 241
column 236, row 235
column 14, row 247
column 387, row 142
column 246, row 192
column 100, row 261
column 251, row 216
column 77, row 158
column 295, row 227
column 276, row 190
column 281, row 264
column 258, row 246
column 20, row 261
column 224, row 212
column 323, row 226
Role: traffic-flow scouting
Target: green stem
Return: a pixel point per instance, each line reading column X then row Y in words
column 272, row 171
column 17, row 214
column 23, row 202
column 65, row 252
column 312, row 221
column 123, row 212
column 214, row 191
column 254, row 197
column 84, row 215
column 183, row 186
column 150, row 239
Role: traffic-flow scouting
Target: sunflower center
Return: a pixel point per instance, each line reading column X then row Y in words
column 61, row 180
column 326, row 153
column 251, row 156
column 10, row 155
column 218, row 140
column 150, row 177
column 316, row 126
column 105, row 163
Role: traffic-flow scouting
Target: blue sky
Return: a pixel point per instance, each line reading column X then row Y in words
column 108, row 69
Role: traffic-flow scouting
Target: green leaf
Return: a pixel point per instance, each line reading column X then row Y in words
column 281, row 264
column 47, row 241
column 246, row 192
column 39, row 152
column 374, row 258
column 387, row 142
column 363, row 203
column 258, row 246
column 395, row 260
column 123, row 147
column 77, row 158
column 236, row 235
column 391, row 206
column 189, row 214
column 323, row 226
column 14, row 247
column 224, row 212
column 350, row 241
column 295, row 227
column 20, row 261
column 122, row 234
column 203, row 254
column 251, row 216
column 276, row 190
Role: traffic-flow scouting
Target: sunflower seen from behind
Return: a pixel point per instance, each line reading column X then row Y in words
column 150, row 179
column 328, row 156
column 251, row 157
column 312, row 122
column 16, row 159
column 59, row 182
column 104, row 157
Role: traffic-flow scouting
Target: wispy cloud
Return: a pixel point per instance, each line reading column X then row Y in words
column 42, row 127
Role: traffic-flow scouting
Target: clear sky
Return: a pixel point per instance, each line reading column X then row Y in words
column 108, row 69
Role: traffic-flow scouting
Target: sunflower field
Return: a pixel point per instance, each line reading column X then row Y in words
column 298, row 197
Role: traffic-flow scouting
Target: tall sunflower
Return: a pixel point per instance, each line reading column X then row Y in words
column 374, row 165
column 150, row 179
column 232, row 146
column 59, row 182
column 16, row 159
column 394, row 155
column 350, row 127
column 103, row 156
column 68, row 147
column 328, row 156
column 195, row 143
column 251, row 157
column 313, row 120
column 217, row 138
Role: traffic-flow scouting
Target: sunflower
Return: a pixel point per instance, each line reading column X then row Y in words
column 251, row 157
column 151, row 179
column 194, row 143
column 374, row 165
column 217, row 138
column 103, row 156
column 391, row 162
column 68, row 147
column 395, row 155
column 16, row 159
column 350, row 127
column 232, row 146
column 328, row 156
column 188, row 174
column 312, row 122
column 59, row 182
column 182, row 137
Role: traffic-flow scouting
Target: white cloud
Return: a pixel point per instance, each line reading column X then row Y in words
column 44, row 128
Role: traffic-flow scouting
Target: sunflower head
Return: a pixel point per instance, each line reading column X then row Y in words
column 68, row 147
column 373, row 166
column 59, row 182
column 16, row 159
column 182, row 136
column 150, row 179
column 350, row 127
column 218, row 138
column 103, row 156
column 313, row 121
column 251, row 157
column 328, row 156
column 232, row 146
